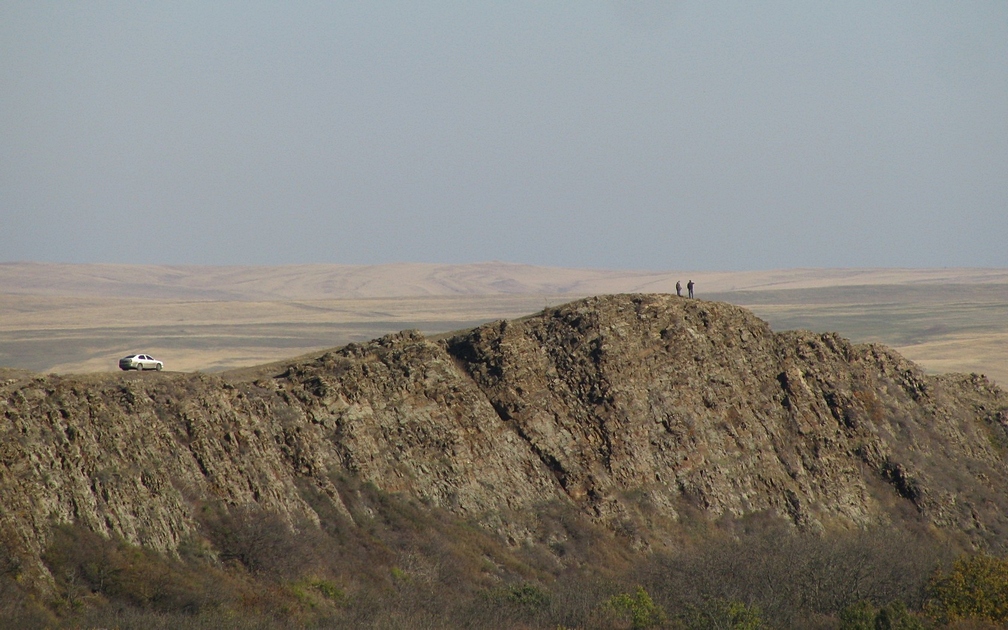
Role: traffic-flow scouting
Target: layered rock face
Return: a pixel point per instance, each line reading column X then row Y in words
column 606, row 404
column 699, row 400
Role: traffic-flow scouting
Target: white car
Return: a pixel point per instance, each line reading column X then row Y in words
column 140, row 362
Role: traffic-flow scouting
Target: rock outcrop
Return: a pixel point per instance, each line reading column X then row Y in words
column 607, row 404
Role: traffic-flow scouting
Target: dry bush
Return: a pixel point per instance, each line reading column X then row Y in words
column 792, row 576
column 90, row 567
column 397, row 562
column 258, row 540
column 106, row 582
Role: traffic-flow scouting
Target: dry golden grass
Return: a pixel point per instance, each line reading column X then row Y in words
column 74, row 334
column 82, row 318
column 321, row 282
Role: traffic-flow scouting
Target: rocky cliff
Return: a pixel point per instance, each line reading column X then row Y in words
column 635, row 409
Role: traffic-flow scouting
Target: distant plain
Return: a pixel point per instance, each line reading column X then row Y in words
column 82, row 318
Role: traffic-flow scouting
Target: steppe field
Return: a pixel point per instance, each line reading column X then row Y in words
column 83, row 318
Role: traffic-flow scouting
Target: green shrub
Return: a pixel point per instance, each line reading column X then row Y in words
column 864, row 616
column 638, row 608
column 527, row 595
column 975, row 588
column 722, row 613
column 330, row 590
column 859, row 616
column 399, row 575
column 895, row 616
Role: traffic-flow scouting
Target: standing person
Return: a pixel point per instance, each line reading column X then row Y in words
column 678, row 288
column 689, row 287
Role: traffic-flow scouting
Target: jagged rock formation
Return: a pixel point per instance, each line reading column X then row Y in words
column 612, row 404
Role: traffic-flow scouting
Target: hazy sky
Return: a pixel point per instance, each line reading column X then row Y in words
column 649, row 135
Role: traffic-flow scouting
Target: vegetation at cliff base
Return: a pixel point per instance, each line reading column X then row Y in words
column 406, row 564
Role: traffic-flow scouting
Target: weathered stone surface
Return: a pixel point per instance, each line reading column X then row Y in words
column 597, row 403
column 702, row 400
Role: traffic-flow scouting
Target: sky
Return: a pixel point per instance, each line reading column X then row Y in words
column 613, row 134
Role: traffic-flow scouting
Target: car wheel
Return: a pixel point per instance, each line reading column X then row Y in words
column 139, row 367
column 159, row 366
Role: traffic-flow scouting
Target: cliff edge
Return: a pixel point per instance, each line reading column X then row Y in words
column 637, row 410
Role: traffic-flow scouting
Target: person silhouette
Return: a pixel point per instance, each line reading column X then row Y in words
column 678, row 288
column 689, row 287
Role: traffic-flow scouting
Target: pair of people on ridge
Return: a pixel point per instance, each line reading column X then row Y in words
column 689, row 287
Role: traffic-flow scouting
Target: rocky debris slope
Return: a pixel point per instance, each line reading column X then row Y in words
column 622, row 406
